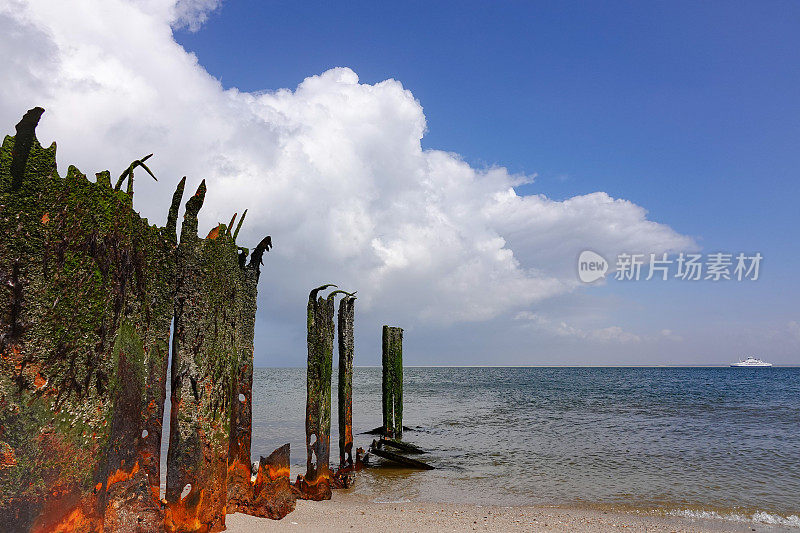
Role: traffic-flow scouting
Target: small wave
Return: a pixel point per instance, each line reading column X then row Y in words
column 762, row 517
column 382, row 500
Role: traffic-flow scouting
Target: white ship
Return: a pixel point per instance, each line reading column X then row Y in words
column 751, row 361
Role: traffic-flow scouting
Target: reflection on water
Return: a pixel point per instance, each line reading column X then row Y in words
column 699, row 438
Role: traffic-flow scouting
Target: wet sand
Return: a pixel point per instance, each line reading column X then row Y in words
column 353, row 513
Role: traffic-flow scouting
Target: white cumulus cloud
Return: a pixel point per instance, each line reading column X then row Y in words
column 192, row 13
column 333, row 169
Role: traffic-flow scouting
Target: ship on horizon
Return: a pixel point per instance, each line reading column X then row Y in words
column 752, row 361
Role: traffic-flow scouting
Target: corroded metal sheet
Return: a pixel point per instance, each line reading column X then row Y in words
column 211, row 375
column 273, row 495
column 84, row 328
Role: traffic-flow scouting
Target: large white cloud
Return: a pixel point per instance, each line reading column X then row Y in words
column 333, row 169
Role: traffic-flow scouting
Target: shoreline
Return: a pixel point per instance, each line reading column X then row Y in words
column 357, row 513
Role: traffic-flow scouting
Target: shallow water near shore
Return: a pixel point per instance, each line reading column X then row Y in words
column 686, row 441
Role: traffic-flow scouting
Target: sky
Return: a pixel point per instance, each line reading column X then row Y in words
column 450, row 161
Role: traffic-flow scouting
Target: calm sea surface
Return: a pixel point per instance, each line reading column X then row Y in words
column 716, row 440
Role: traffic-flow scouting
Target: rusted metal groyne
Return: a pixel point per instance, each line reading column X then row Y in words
column 88, row 301
column 89, row 292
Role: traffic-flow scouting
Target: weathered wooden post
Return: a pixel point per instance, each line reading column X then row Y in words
column 346, row 345
column 392, row 398
column 204, row 356
column 315, row 485
column 344, row 476
column 392, row 381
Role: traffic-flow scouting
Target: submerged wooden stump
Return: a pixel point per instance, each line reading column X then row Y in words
column 392, row 396
column 378, row 448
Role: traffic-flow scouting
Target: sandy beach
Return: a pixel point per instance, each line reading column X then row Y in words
column 353, row 513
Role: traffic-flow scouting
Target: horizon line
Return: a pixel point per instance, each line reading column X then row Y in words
column 716, row 365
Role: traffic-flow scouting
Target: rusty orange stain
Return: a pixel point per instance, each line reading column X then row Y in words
column 12, row 354
column 121, row 475
column 320, row 479
column 180, row 516
column 214, row 233
column 39, row 382
column 273, row 473
column 76, row 520
column 45, row 218
column 7, row 457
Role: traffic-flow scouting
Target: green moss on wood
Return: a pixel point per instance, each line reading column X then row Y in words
column 318, row 386
column 215, row 308
column 89, row 292
column 85, row 279
column 345, row 392
column 392, row 397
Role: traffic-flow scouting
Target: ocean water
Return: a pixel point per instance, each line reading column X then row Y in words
column 697, row 441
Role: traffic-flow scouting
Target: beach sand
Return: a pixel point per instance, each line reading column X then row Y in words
column 354, row 513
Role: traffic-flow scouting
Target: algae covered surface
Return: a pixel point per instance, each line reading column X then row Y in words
column 87, row 308
column 90, row 290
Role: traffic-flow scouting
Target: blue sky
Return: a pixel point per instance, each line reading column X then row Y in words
column 663, row 126
column 689, row 109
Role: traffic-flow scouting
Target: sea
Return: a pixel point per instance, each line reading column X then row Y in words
column 700, row 442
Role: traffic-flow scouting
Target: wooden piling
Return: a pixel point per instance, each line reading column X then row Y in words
column 240, row 489
column 392, row 397
column 316, row 484
column 204, row 364
column 346, row 346
column 83, row 392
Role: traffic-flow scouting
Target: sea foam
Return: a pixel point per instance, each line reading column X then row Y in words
column 762, row 517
